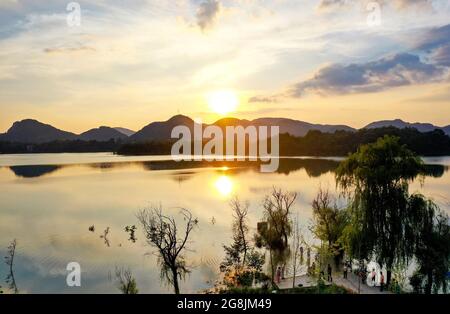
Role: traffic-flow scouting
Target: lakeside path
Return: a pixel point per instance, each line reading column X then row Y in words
column 351, row 283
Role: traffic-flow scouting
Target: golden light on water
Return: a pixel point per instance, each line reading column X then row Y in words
column 223, row 101
column 224, row 185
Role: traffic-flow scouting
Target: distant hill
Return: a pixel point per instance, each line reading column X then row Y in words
column 125, row 131
column 446, row 130
column 299, row 128
column 161, row 131
column 157, row 131
column 400, row 124
column 33, row 131
column 102, row 134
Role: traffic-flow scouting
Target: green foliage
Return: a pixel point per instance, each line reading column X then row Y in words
column 236, row 253
column 245, row 279
column 242, row 263
column 125, row 281
column 329, row 223
column 255, row 260
column 389, row 224
column 432, row 246
column 342, row 143
column 377, row 177
column 416, row 281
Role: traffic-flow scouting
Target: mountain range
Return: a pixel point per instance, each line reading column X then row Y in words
column 33, row 131
column 400, row 124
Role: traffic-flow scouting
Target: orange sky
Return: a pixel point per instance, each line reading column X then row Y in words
column 129, row 65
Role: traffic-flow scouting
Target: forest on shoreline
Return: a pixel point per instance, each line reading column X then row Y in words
column 314, row 143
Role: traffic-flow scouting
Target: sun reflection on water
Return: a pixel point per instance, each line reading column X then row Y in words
column 224, row 185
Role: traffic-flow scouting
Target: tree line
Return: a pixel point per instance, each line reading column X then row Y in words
column 314, row 143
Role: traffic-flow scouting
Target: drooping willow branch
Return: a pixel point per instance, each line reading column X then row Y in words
column 9, row 260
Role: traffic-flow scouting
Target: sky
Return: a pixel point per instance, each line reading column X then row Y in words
column 130, row 62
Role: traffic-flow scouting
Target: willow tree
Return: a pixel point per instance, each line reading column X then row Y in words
column 432, row 245
column 328, row 223
column 125, row 281
column 376, row 178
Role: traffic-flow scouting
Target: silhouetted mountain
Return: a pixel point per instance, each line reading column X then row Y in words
column 293, row 127
column 299, row 128
column 160, row 131
column 125, row 131
column 446, row 129
column 400, row 124
column 32, row 131
column 157, row 131
column 102, row 134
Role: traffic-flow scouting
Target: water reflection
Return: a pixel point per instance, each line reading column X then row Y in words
column 313, row 167
column 224, row 185
column 58, row 213
column 33, row 171
column 435, row 171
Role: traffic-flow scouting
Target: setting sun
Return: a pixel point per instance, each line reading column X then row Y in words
column 222, row 101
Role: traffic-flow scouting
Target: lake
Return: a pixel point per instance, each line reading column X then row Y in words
column 49, row 201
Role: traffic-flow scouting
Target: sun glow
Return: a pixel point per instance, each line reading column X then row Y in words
column 223, row 101
column 224, row 185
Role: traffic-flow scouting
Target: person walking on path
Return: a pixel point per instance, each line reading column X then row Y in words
column 381, row 281
column 278, row 275
column 330, row 278
column 373, row 276
column 345, row 270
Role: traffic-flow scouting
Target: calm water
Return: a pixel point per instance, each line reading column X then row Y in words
column 48, row 202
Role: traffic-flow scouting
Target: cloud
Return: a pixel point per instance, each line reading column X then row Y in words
column 262, row 99
column 434, row 38
column 437, row 96
column 63, row 50
column 436, row 42
column 428, row 61
column 441, row 56
column 207, row 13
column 392, row 71
column 324, row 4
column 398, row 4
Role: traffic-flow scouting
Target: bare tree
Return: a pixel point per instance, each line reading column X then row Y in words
column 240, row 226
column 125, row 281
column 9, row 260
column 297, row 248
column 275, row 231
column 162, row 233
